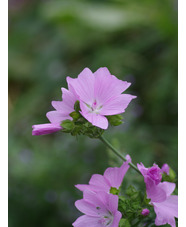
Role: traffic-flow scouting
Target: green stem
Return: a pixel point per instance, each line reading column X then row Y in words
column 118, row 153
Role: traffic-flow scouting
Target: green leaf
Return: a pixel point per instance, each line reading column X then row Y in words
column 124, row 223
column 146, row 200
column 115, row 120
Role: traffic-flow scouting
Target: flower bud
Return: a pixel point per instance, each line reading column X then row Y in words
column 145, row 212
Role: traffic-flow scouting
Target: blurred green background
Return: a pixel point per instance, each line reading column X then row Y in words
column 50, row 40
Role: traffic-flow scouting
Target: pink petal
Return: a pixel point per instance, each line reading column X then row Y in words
column 98, row 199
column 83, row 187
column 168, row 187
column 43, row 129
column 62, row 107
column 116, row 105
column 166, row 211
column 112, row 202
column 83, row 85
column 115, row 175
column 100, row 182
column 85, row 220
column 165, row 168
column 68, row 97
column 105, row 201
column 117, row 218
column 57, row 117
column 155, row 192
column 96, row 120
column 67, row 105
column 90, row 208
column 107, row 86
column 142, row 169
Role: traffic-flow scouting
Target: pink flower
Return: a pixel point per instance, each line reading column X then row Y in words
column 100, row 209
column 165, row 168
column 165, row 204
column 151, row 174
column 100, row 95
column 43, row 129
column 145, row 212
column 112, row 178
column 63, row 109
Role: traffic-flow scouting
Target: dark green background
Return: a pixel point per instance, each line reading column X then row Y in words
column 50, row 40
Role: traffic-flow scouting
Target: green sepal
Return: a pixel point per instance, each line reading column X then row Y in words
column 67, row 125
column 75, row 115
column 114, row 191
column 115, row 120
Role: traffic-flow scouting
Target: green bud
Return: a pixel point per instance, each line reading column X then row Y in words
column 75, row 115
column 172, row 174
column 115, row 120
column 77, row 106
column 171, row 177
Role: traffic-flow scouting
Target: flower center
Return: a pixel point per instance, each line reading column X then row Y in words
column 94, row 108
column 107, row 219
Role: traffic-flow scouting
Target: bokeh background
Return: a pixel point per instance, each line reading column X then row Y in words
column 49, row 40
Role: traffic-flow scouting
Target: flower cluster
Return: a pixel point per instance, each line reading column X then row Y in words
column 91, row 102
column 165, row 205
column 99, row 95
column 99, row 204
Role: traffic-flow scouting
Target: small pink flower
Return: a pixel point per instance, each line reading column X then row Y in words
column 100, row 95
column 165, row 204
column 112, row 177
column 100, row 209
column 43, row 129
column 63, row 109
column 151, row 174
column 165, row 168
column 145, row 212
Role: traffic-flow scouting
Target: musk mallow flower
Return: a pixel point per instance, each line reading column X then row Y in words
column 100, row 95
column 112, row 178
column 153, row 173
column 165, row 205
column 100, row 209
column 62, row 112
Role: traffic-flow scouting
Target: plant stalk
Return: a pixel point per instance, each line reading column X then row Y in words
column 109, row 145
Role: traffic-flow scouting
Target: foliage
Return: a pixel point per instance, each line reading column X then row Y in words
column 49, row 40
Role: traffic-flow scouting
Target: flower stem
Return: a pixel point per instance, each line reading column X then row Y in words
column 105, row 141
